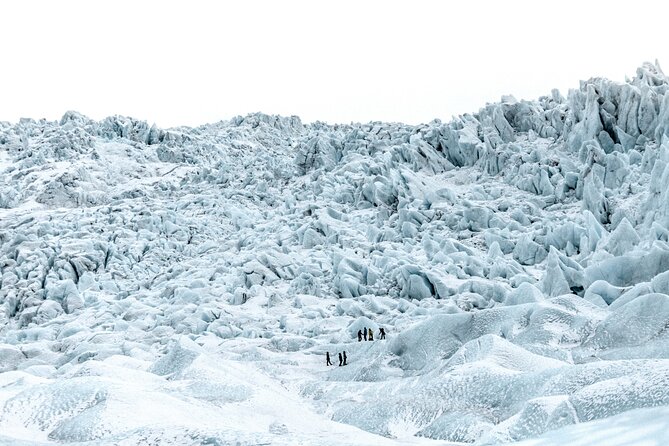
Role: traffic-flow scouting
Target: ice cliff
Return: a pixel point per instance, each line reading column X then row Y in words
column 161, row 285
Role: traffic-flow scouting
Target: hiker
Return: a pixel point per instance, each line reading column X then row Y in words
column 370, row 335
column 383, row 333
column 327, row 359
column 340, row 360
column 364, row 333
column 344, row 357
column 359, row 335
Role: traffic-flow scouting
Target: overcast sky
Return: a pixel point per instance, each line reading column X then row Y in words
column 192, row 62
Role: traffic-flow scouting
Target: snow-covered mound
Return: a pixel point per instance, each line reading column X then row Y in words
column 182, row 286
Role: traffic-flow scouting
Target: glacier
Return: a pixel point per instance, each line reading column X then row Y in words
column 182, row 286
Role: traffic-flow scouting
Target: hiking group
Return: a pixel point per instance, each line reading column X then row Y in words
column 342, row 359
column 367, row 334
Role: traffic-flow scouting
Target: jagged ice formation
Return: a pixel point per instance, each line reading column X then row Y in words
column 518, row 258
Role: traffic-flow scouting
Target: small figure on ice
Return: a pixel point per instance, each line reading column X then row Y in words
column 327, row 359
column 344, row 357
column 382, row 332
column 370, row 335
column 340, row 360
column 359, row 335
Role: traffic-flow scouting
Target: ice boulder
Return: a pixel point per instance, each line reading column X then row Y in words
column 634, row 323
column 630, row 269
column 435, row 338
column 66, row 293
column 470, row 301
column 525, row 293
column 349, row 286
column 352, row 276
column 660, row 283
column 181, row 352
column 48, row 310
column 414, row 283
column 532, row 420
column 646, row 388
column 528, row 252
column 603, row 290
column 457, row 426
column 494, row 350
column 554, row 282
column 632, row 293
column 594, row 197
column 623, row 239
column 10, row 357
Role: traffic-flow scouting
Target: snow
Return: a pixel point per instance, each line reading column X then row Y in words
column 641, row 427
column 182, row 286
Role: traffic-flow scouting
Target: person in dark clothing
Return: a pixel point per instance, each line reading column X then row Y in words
column 327, row 359
column 359, row 335
column 344, row 358
column 364, row 333
column 382, row 332
column 340, row 359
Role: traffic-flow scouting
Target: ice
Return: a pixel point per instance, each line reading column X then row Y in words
column 641, row 427
column 602, row 291
column 494, row 350
column 525, row 293
column 11, row 356
column 623, row 239
column 528, row 252
column 648, row 314
column 630, row 269
column 181, row 353
column 554, row 282
column 517, row 258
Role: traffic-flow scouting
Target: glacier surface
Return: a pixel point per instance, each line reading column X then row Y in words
column 182, row 286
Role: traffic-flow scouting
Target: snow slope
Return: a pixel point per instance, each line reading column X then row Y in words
column 182, row 286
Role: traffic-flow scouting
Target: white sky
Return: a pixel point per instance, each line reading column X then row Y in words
column 192, row 62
